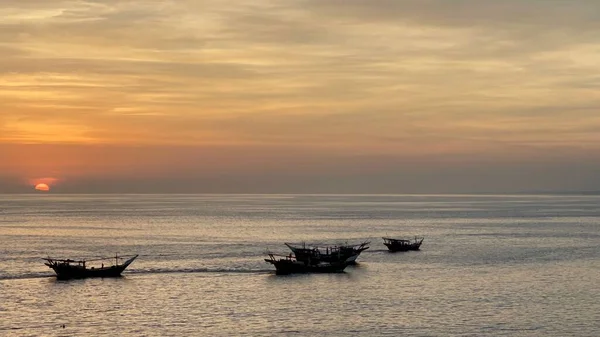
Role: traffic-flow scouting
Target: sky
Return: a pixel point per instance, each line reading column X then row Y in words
column 300, row 96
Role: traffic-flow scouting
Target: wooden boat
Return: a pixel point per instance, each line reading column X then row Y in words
column 285, row 265
column 75, row 269
column 402, row 245
column 332, row 253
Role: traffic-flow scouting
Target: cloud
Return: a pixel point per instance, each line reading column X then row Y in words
column 352, row 77
column 463, row 13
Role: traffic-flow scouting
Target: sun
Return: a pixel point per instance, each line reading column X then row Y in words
column 42, row 187
column 43, row 184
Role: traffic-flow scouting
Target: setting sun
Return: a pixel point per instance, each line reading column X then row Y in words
column 42, row 184
column 42, row 187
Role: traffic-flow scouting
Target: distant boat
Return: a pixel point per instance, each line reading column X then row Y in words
column 76, row 269
column 285, row 265
column 331, row 253
column 402, row 245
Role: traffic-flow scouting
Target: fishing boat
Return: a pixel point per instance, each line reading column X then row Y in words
column 289, row 264
column 402, row 245
column 76, row 269
column 328, row 253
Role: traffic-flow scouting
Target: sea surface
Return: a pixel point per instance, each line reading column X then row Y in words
column 490, row 265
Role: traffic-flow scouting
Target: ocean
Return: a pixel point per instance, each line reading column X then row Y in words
column 490, row 265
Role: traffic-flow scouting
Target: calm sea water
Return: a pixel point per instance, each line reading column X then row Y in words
column 489, row 266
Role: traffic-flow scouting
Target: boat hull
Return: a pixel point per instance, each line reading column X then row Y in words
column 401, row 245
column 66, row 271
column 352, row 259
column 69, row 272
column 402, row 248
column 286, row 267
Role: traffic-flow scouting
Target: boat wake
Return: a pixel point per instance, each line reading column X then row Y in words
column 149, row 271
column 376, row 251
column 197, row 270
column 25, row 276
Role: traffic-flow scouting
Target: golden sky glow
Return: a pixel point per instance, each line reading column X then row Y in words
column 353, row 91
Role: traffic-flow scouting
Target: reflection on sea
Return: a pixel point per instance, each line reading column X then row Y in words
column 489, row 266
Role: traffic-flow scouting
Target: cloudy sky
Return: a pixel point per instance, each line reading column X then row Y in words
column 306, row 96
